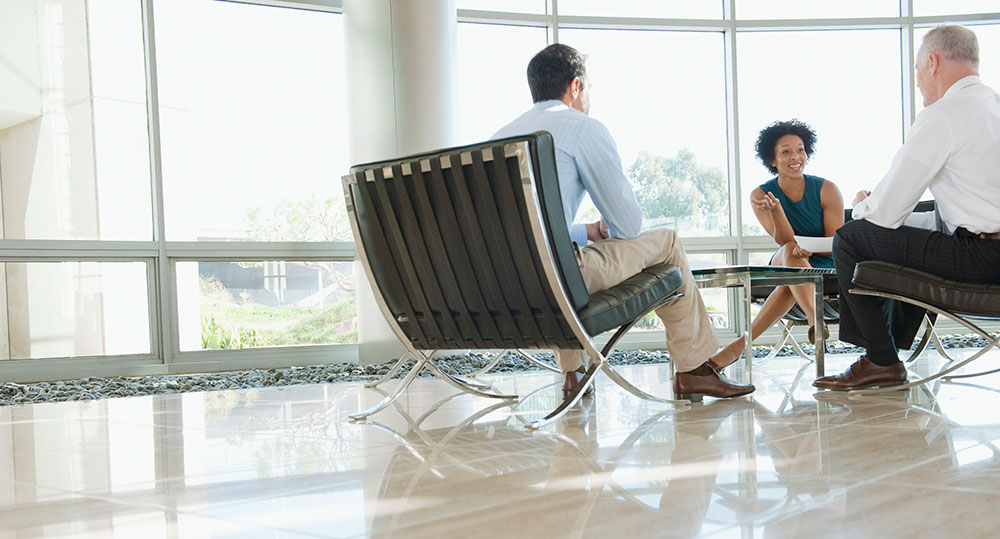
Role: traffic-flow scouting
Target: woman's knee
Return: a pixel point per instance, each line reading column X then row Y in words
column 786, row 257
column 783, row 254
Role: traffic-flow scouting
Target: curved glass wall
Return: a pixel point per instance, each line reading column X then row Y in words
column 685, row 86
column 169, row 169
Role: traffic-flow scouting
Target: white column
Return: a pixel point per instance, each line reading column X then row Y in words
column 20, row 78
column 401, row 57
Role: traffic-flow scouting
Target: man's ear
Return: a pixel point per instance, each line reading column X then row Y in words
column 933, row 62
column 574, row 87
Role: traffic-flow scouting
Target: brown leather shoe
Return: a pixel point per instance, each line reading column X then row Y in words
column 572, row 379
column 863, row 373
column 715, row 366
column 705, row 380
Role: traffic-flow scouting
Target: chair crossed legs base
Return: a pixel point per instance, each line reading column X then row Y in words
column 468, row 384
column 475, row 387
column 930, row 336
column 992, row 342
column 598, row 363
column 424, row 361
column 469, row 379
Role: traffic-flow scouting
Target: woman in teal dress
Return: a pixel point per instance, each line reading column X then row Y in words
column 791, row 204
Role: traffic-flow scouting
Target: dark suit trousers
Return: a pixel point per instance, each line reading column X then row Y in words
column 880, row 325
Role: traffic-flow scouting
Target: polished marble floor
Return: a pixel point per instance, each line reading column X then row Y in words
column 286, row 462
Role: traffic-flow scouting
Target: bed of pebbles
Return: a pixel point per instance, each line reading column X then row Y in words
column 97, row 388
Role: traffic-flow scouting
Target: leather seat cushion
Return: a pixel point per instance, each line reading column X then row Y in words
column 974, row 299
column 633, row 297
column 831, row 313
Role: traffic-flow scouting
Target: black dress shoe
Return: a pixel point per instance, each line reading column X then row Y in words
column 573, row 380
column 864, row 373
column 705, row 380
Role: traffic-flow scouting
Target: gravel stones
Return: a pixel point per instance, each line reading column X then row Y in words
column 94, row 387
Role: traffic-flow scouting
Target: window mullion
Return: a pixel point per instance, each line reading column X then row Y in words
column 161, row 311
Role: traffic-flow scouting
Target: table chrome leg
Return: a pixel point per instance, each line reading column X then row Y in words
column 818, row 324
column 747, row 333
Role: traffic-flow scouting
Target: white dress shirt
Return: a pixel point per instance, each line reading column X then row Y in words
column 587, row 161
column 953, row 149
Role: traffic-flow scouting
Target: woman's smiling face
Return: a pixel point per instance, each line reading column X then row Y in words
column 790, row 156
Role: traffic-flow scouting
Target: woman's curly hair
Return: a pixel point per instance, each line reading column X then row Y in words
column 768, row 138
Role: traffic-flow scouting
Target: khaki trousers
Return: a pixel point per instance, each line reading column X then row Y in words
column 608, row 262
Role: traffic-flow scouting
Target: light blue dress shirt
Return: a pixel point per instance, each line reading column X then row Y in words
column 587, row 161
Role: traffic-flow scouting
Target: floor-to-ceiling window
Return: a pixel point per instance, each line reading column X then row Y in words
column 252, row 127
column 684, row 87
column 170, row 180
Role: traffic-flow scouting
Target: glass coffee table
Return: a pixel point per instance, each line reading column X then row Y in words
column 733, row 276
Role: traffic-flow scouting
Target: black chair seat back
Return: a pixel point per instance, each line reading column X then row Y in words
column 446, row 237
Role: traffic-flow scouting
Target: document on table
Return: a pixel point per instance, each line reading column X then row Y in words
column 815, row 245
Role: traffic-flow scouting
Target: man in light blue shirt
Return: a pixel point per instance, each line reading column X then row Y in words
column 613, row 248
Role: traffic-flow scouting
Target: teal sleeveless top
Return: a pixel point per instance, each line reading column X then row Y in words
column 806, row 215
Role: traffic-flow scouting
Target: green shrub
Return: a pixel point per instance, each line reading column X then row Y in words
column 246, row 325
column 215, row 336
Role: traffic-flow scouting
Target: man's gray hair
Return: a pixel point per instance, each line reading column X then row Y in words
column 954, row 43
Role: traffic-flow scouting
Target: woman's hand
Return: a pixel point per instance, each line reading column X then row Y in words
column 799, row 252
column 766, row 203
column 863, row 194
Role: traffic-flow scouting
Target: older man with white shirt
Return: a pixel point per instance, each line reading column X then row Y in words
column 953, row 149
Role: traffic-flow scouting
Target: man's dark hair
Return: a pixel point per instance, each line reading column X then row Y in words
column 552, row 69
column 769, row 136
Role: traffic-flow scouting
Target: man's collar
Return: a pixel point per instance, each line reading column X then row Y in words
column 550, row 104
column 962, row 84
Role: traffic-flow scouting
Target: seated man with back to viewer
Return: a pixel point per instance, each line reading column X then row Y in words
column 953, row 149
column 587, row 161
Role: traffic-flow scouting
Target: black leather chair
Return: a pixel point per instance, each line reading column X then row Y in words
column 467, row 248
column 961, row 302
column 795, row 317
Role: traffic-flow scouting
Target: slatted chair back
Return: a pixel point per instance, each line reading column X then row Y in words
column 458, row 253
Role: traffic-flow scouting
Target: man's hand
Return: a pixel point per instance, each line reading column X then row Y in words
column 597, row 231
column 860, row 196
column 768, row 203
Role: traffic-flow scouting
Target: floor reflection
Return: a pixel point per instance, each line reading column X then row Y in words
column 287, row 461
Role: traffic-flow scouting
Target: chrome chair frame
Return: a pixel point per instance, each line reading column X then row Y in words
column 963, row 320
column 930, row 336
column 471, row 378
column 498, row 154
